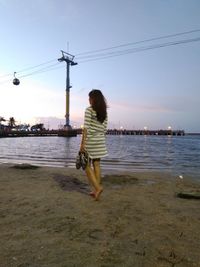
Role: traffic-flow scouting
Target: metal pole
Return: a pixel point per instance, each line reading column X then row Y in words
column 68, row 58
column 67, row 95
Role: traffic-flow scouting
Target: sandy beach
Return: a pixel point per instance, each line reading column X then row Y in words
column 47, row 219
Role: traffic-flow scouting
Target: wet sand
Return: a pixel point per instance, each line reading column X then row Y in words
column 48, row 219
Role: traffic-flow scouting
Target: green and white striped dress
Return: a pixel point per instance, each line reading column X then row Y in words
column 95, row 140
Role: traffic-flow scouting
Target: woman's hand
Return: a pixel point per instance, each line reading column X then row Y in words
column 82, row 148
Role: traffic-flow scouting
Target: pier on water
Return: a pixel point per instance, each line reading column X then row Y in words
column 63, row 133
column 146, row 132
column 75, row 132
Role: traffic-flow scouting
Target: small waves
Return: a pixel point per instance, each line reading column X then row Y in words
column 132, row 153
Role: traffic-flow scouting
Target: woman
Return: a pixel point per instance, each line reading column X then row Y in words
column 93, row 139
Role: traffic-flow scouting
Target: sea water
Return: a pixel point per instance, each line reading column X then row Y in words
column 178, row 154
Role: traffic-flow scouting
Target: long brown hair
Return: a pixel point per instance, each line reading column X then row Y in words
column 99, row 104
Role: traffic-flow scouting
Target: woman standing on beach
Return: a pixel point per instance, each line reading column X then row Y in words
column 93, row 139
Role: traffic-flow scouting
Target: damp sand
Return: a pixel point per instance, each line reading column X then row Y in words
column 47, row 219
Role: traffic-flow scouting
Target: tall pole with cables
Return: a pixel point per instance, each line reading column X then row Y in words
column 68, row 58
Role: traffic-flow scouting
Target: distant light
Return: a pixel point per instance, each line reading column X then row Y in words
column 169, row 128
column 121, row 127
column 145, row 128
column 82, row 126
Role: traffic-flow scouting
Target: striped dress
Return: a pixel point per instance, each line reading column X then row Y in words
column 95, row 140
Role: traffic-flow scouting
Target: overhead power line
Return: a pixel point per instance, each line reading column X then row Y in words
column 138, row 42
column 36, row 66
column 135, row 50
column 29, row 68
column 36, row 72
column 100, row 54
column 48, row 68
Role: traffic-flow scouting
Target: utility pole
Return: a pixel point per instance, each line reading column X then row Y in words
column 68, row 58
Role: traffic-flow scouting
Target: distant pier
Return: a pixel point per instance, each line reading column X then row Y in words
column 63, row 133
column 141, row 132
column 146, row 132
column 75, row 132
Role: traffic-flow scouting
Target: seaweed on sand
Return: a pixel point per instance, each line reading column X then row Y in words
column 25, row 166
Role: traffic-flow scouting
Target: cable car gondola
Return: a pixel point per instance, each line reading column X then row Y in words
column 15, row 80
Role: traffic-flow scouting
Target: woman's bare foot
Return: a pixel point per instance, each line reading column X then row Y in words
column 92, row 194
column 98, row 193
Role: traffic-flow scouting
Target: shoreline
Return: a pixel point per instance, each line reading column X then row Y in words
column 189, row 175
column 48, row 219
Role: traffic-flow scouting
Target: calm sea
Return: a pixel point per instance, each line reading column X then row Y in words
column 178, row 154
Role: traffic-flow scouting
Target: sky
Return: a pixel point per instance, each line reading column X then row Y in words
column 153, row 88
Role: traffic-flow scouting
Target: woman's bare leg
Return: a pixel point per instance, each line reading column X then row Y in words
column 97, row 170
column 93, row 181
column 92, row 178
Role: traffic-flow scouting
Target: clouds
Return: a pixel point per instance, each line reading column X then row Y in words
column 34, row 101
column 29, row 99
column 142, row 107
column 154, row 115
column 154, row 88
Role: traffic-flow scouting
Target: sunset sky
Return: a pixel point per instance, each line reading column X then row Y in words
column 147, row 83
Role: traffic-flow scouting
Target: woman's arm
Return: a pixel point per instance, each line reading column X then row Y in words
column 84, row 135
column 87, row 122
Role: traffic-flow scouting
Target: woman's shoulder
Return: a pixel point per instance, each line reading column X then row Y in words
column 90, row 109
